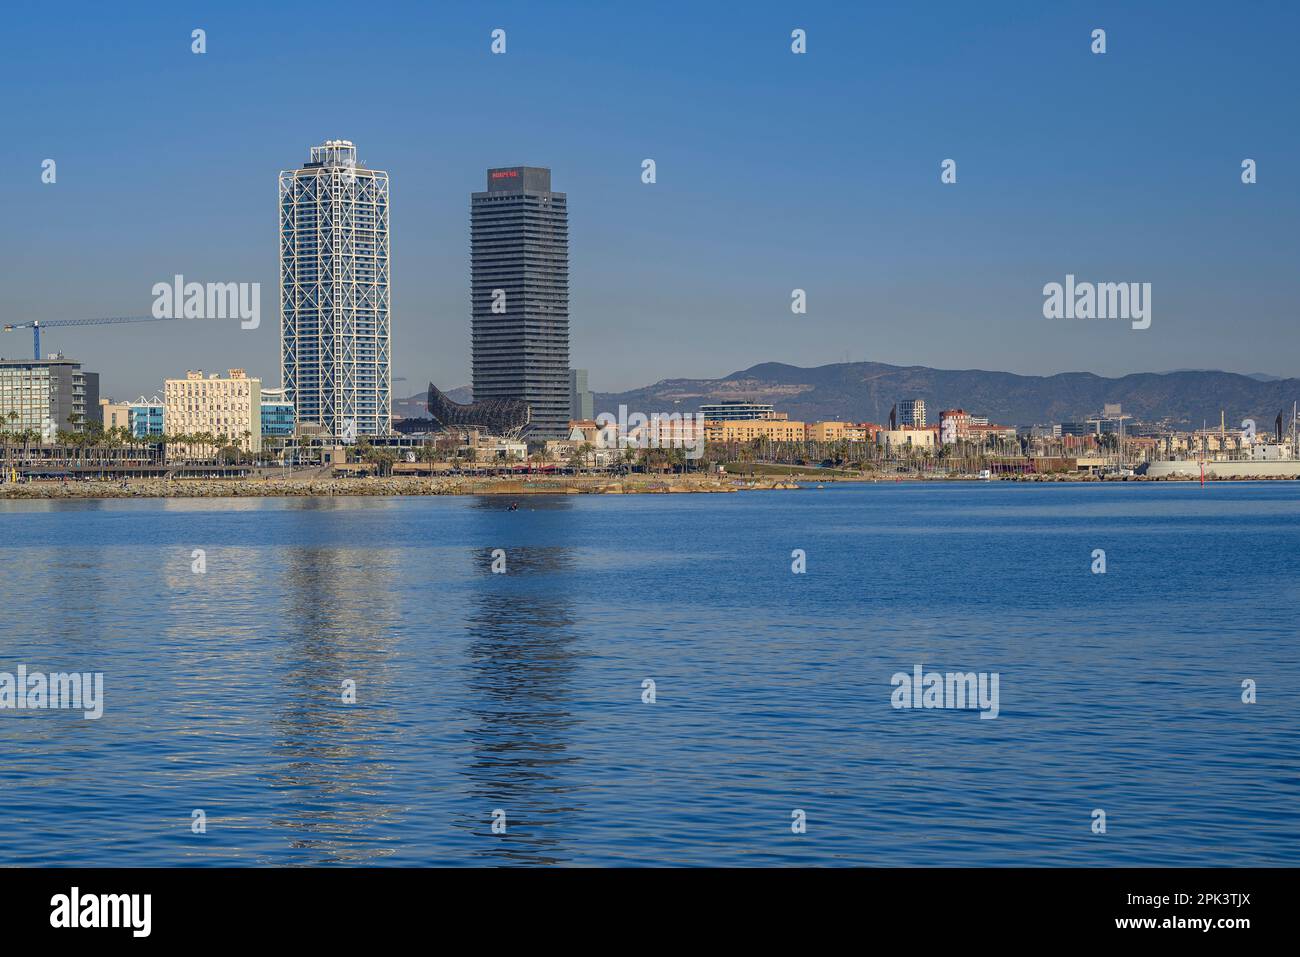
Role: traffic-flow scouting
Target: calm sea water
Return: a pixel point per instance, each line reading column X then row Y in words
column 523, row 691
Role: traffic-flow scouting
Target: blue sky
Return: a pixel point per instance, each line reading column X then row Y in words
column 775, row 172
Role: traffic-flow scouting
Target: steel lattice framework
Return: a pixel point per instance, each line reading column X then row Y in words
column 504, row 417
column 335, row 354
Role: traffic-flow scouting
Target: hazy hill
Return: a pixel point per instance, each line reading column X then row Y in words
column 865, row 391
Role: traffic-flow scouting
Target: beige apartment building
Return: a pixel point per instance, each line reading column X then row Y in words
column 954, row 424
column 832, row 431
column 861, row 432
column 746, row 430
column 990, row 433
column 781, row 429
column 229, row 408
column 900, row 439
column 114, row 415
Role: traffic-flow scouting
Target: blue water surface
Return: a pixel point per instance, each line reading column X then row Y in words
column 523, row 692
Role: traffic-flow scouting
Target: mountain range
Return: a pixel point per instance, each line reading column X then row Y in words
column 865, row 392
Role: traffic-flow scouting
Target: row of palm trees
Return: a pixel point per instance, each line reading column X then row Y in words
column 863, row 454
column 91, row 442
column 582, row 457
column 86, row 441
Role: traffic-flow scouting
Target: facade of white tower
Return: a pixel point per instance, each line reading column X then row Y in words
column 335, row 354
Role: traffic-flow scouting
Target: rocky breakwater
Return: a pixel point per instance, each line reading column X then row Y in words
column 331, row 487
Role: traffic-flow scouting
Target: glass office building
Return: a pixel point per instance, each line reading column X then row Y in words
column 145, row 417
column 737, row 410
column 519, row 256
column 277, row 414
column 911, row 412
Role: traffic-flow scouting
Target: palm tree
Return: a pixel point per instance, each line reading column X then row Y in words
column 30, row 436
column 381, row 458
column 745, row 454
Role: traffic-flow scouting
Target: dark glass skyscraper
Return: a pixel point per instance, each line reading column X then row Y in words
column 519, row 246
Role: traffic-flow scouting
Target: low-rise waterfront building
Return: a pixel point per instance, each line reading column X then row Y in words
column 665, row 432
column 990, row 433
column 1269, row 452
column 827, row 431
column 584, row 430
column 746, row 430
column 502, row 449
column 954, row 425
column 145, row 417
column 834, row 431
column 862, row 432
column 277, row 414
column 141, row 418
column 905, row 439
column 114, row 415
column 1078, row 428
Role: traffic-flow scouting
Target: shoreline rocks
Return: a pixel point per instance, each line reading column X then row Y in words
column 404, row 486
column 510, row 485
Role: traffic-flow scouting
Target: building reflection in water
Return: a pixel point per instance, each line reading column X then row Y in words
column 339, row 621
column 522, row 660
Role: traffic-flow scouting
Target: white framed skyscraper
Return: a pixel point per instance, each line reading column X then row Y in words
column 335, row 352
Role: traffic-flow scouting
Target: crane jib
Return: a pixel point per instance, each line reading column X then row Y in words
column 36, row 325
